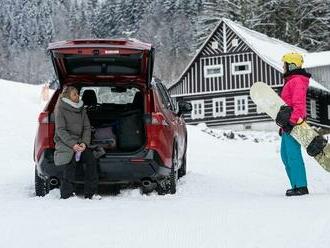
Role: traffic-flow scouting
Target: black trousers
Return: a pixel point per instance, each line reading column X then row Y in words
column 91, row 175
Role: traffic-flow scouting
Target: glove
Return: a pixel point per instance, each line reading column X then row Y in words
column 283, row 118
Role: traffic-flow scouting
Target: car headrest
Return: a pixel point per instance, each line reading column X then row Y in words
column 138, row 99
column 89, row 98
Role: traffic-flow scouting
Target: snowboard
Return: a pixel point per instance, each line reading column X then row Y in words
column 268, row 101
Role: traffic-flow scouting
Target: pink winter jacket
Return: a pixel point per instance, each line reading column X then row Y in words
column 294, row 94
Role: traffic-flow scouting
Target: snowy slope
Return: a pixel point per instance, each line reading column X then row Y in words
column 232, row 196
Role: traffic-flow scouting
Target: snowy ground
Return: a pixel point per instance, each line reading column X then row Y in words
column 232, row 196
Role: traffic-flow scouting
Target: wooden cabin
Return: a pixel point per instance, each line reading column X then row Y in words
column 318, row 64
column 218, row 79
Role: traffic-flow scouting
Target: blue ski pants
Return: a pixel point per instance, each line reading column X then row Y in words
column 293, row 161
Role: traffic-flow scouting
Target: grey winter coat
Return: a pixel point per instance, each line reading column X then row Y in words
column 72, row 127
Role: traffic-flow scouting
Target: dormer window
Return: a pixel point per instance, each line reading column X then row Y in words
column 234, row 42
column 215, row 45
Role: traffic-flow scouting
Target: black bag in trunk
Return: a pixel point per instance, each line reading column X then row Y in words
column 131, row 133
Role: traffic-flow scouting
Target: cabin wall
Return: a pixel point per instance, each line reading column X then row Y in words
column 230, row 116
column 196, row 82
column 318, row 112
column 321, row 75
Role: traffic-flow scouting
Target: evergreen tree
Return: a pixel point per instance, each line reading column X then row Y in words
column 107, row 20
column 73, row 19
column 92, row 9
column 211, row 13
column 176, row 28
column 299, row 22
column 248, row 15
column 84, row 30
column 311, row 25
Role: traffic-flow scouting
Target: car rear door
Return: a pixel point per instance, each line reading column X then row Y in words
column 91, row 61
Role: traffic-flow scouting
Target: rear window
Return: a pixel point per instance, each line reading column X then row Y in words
column 103, row 65
column 112, row 94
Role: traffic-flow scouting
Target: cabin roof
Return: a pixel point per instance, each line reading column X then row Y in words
column 317, row 59
column 272, row 50
column 316, row 85
column 269, row 49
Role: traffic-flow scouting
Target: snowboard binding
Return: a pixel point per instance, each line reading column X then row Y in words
column 316, row 146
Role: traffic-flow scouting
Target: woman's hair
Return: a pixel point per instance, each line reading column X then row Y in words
column 67, row 91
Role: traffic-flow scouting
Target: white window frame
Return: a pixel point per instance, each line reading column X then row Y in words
column 328, row 112
column 222, row 101
column 215, row 45
column 313, row 108
column 207, row 75
column 234, row 42
column 233, row 66
column 238, row 105
column 195, row 113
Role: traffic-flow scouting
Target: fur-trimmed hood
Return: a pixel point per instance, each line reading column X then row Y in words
column 70, row 105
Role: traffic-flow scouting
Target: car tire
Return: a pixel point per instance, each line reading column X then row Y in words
column 41, row 185
column 183, row 168
column 174, row 172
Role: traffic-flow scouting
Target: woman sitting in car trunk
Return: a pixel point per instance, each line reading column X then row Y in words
column 72, row 138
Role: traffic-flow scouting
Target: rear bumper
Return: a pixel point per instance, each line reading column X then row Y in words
column 121, row 168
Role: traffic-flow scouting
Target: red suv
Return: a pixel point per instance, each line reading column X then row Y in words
column 149, row 137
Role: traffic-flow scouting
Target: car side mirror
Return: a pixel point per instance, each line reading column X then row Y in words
column 184, row 107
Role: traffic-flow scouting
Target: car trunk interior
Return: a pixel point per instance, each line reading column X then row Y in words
column 116, row 115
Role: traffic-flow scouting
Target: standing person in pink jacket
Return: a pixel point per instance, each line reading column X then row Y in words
column 294, row 93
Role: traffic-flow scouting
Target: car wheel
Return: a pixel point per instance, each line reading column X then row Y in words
column 168, row 184
column 174, row 172
column 41, row 185
column 183, row 169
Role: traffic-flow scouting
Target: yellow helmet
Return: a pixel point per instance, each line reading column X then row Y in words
column 293, row 58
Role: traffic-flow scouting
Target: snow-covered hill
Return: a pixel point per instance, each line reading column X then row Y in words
column 232, row 196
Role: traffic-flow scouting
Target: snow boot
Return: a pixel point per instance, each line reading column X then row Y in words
column 68, row 196
column 93, row 197
column 297, row 191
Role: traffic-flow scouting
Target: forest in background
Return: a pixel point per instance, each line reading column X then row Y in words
column 176, row 28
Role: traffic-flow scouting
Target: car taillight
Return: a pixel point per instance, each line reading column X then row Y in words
column 158, row 119
column 43, row 118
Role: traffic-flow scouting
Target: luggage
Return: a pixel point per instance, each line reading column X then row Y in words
column 130, row 131
column 105, row 138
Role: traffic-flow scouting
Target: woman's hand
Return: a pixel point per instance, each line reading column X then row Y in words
column 83, row 147
column 77, row 148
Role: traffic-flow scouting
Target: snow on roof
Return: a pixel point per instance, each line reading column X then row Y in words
column 269, row 49
column 316, row 85
column 272, row 50
column 317, row 59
